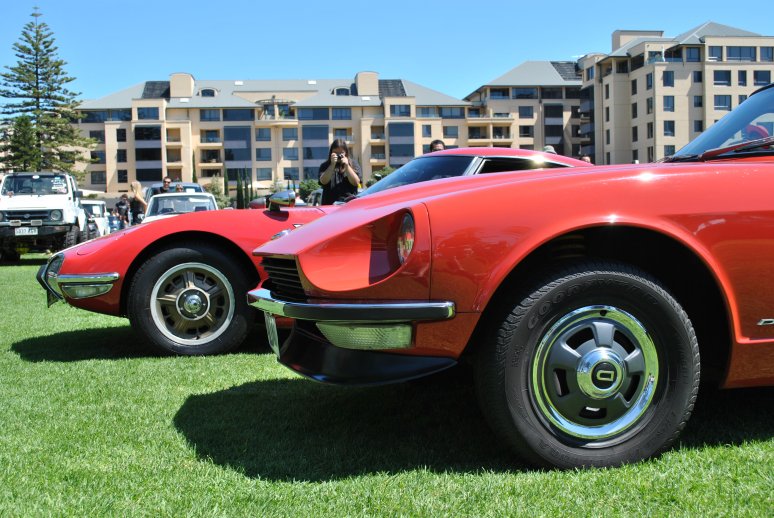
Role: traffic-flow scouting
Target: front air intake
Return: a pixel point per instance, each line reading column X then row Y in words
column 284, row 280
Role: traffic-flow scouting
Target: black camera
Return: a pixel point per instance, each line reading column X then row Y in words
column 340, row 155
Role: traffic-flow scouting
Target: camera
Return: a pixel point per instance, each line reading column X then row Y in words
column 340, row 155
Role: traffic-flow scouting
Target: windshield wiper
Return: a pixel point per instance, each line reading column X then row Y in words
column 739, row 147
column 681, row 158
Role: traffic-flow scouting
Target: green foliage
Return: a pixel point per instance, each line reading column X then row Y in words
column 216, row 189
column 22, row 148
column 306, row 187
column 94, row 423
column 37, row 87
column 378, row 175
column 240, row 195
column 194, row 179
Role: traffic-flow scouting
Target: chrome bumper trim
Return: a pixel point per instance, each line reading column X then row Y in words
column 352, row 312
column 90, row 278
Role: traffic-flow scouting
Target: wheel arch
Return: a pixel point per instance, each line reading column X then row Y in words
column 677, row 267
column 184, row 238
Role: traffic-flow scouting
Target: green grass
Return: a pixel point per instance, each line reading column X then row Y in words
column 94, row 423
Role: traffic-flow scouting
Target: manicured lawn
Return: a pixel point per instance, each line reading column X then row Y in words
column 94, row 423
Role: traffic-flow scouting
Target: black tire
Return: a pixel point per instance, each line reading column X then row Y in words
column 191, row 300
column 10, row 256
column 72, row 237
column 598, row 366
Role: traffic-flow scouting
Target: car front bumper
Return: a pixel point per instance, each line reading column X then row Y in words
column 74, row 286
column 348, row 343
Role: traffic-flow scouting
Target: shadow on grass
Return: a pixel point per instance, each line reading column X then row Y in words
column 296, row 429
column 26, row 260
column 291, row 430
column 112, row 343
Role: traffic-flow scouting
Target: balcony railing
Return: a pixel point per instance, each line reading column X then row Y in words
column 211, row 140
column 378, row 156
column 377, row 136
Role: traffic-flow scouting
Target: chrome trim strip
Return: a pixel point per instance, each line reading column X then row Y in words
column 352, row 312
column 86, row 278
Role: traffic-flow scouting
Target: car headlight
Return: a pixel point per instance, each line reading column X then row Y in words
column 405, row 241
column 2, row 216
column 55, row 215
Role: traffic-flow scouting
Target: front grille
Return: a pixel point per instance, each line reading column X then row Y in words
column 284, row 281
column 26, row 215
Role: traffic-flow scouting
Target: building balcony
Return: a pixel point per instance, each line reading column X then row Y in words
column 210, row 163
column 211, row 143
column 378, row 157
column 174, row 143
column 377, row 136
column 502, row 138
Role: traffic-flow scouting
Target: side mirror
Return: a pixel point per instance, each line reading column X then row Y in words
column 140, row 217
column 282, row 199
column 78, row 194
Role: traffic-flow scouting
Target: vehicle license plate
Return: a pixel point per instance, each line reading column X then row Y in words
column 271, row 331
column 25, row 231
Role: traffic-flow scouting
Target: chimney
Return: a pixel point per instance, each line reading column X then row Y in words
column 621, row 38
column 367, row 83
column 181, row 85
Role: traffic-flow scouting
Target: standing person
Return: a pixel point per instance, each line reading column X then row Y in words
column 166, row 184
column 122, row 211
column 339, row 175
column 437, row 145
column 137, row 205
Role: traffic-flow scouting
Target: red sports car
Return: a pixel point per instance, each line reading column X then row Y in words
column 182, row 283
column 592, row 302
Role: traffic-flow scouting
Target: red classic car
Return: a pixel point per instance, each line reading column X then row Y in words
column 592, row 303
column 182, row 282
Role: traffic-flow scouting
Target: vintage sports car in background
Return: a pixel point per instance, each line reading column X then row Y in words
column 592, row 303
column 171, row 204
column 183, row 282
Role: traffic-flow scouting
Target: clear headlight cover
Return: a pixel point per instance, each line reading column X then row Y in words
column 405, row 240
column 55, row 215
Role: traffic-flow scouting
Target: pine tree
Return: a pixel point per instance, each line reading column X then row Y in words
column 194, row 178
column 37, row 87
column 21, row 149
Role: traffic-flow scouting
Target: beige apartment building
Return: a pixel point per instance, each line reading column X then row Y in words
column 647, row 98
column 653, row 94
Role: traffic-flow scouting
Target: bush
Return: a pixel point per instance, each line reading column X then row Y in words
column 216, row 189
column 306, row 187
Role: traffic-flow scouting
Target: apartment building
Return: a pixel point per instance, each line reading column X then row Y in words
column 266, row 130
column 653, row 94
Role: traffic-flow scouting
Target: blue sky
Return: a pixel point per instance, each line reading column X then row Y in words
column 450, row 46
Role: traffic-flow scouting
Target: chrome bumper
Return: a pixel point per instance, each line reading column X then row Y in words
column 74, row 286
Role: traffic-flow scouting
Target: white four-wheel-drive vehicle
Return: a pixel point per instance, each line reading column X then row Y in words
column 38, row 212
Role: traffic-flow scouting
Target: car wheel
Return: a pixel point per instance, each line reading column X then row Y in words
column 190, row 300
column 72, row 237
column 599, row 366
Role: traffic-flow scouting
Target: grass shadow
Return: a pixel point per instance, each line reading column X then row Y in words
column 291, row 430
column 26, row 260
column 111, row 343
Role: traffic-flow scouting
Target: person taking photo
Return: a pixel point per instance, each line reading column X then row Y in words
column 339, row 175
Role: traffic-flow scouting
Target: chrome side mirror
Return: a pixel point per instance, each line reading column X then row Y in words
column 282, row 199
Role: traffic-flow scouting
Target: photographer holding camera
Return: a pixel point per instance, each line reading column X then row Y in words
column 339, row 175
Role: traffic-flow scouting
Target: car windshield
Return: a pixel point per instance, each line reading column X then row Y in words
column 94, row 209
column 422, row 169
column 36, row 184
column 178, row 204
column 752, row 120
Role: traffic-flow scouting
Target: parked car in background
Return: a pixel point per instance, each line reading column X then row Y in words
column 183, row 283
column 591, row 304
column 170, row 204
column 96, row 213
column 314, row 198
column 155, row 188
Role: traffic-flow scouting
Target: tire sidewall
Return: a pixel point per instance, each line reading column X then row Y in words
column 139, row 301
column 676, row 348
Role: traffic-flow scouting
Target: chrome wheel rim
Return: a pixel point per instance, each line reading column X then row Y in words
column 192, row 304
column 594, row 374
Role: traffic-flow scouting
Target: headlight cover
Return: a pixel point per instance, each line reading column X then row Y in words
column 55, row 215
column 405, row 241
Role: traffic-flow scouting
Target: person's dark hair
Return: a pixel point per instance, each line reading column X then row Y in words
column 338, row 143
column 435, row 143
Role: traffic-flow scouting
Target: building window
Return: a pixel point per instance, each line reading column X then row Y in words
column 715, row 53
column 451, row 131
column 263, row 154
column 123, row 176
column 634, row 87
column 148, row 113
column 693, row 54
column 526, row 131
column 207, row 92
column 526, row 112
column 147, row 154
column 289, row 134
column 209, row 115
column 400, row 110
column 723, row 102
column 650, row 153
column 341, row 134
column 551, row 93
column 668, row 79
column 634, row 110
column 607, row 158
column 607, row 91
column 669, row 103
column 524, row 93
column 635, row 156
column 98, row 178
column 740, row 53
column 209, row 136
column 589, row 73
column 499, row 93
column 342, row 114
column 120, row 155
column 669, row 128
column 697, row 76
column 650, row 130
column 427, row 130
column 263, row 134
column 452, row 113
column 341, row 91
column 607, row 113
column 236, row 143
column 741, row 78
column 607, row 137
column 314, row 133
column 698, row 126
column 698, row 101
column 290, row 153
column 427, row 112
column 403, row 129
column 575, row 112
column 234, row 114
column 147, row 133
column 290, row 173
column 635, row 134
column 263, row 173
column 211, row 156
column 151, row 174
column 649, row 81
column 722, row 78
column 649, row 105
column 315, row 152
column 98, row 135
column 767, row 54
column 121, row 135
column 669, row 150
column 98, row 157
column 742, row 98
column 761, row 77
